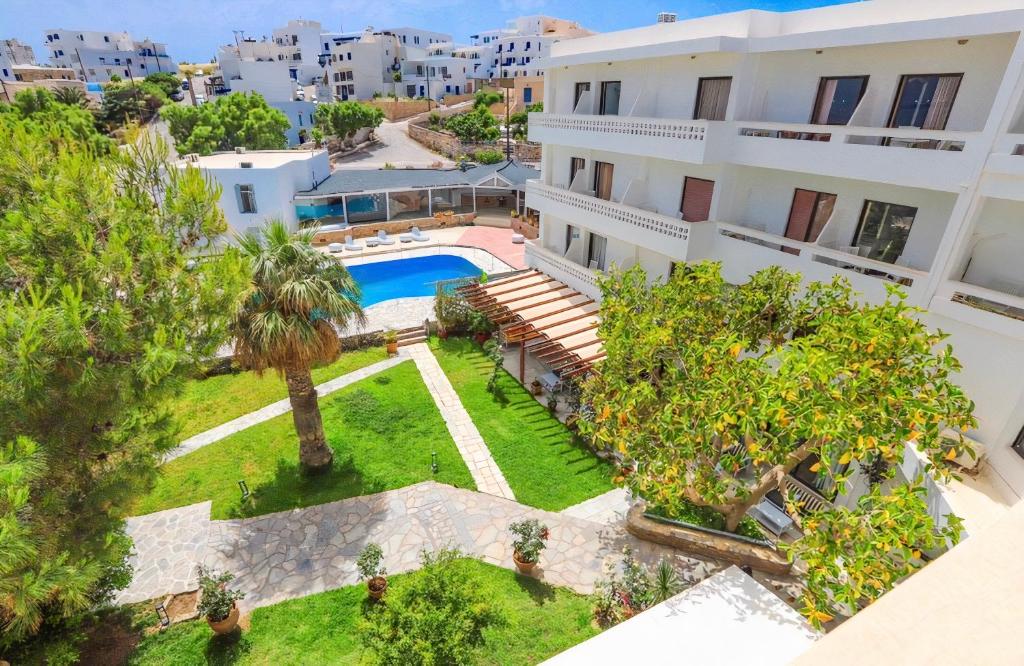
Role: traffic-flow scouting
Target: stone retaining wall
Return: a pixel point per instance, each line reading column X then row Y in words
column 439, row 141
column 399, row 109
column 395, row 227
column 706, row 543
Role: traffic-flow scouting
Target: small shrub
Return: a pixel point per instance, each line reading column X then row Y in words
column 530, row 539
column 217, row 600
column 390, row 337
column 620, row 598
column 488, row 156
column 369, row 562
column 493, row 351
column 389, row 166
column 437, row 616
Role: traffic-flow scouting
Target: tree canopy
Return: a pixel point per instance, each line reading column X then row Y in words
column 38, row 108
column 343, row 119
column 476, row 126
column 110, row 296
column 127, row 102
column 230, row 121
column 168, row 82
column 713, row 393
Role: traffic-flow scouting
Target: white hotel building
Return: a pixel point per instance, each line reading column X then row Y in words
column 878, row 140
column 97, row 56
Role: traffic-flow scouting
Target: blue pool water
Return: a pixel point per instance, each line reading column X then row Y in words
column 402, row 278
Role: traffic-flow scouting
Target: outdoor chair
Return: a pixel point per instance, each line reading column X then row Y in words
column 351, row 245
column 335, row 247
column 405, row 238
column 418, row 235
column 383, row 238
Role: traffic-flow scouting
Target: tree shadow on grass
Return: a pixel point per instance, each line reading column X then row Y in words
column 290, row 488
column 540, row 592
column 227, row 648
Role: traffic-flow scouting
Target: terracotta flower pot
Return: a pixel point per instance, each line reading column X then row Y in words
column 377, row 586
column 481, row 338
column 524, row 567
column 443, row 334
column 392, row 348
column 227, row 625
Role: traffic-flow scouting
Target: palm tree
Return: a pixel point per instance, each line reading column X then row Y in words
column 288, row 318
column 71, row 96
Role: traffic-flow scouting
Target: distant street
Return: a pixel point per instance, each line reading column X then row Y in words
column 394, row 147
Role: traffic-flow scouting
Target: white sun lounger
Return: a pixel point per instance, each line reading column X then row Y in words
column 335, row 247
column 418, row 235
column 405, row 238
column 351, row 245
column 384, row 239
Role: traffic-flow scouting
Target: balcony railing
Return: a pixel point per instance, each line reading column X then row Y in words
column 892, row 137
column 985, row 299
column 857, row 266
column 685, row 130
column 643, row 227
column 580, row 278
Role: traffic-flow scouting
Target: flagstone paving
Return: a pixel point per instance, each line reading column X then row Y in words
column 278, row 408
column 471, row 445
column 609, row 508
column 168, row 545
column 305, row 551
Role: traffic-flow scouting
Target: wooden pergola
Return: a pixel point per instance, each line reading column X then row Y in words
column 545, row 317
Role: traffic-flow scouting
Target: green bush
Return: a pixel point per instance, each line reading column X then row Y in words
column 438, row 616
column 476, row 126
column 488, row 156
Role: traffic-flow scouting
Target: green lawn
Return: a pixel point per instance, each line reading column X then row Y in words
column 541, row 621
column 206, row 403
column 382, row 429
column 542, row 460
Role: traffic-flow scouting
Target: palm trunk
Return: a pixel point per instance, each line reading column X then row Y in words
column 314, row 453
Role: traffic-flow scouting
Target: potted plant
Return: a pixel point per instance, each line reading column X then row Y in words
column 530, row 537
column 217, row 602
column 536, row 387
column 370, row 570
column 391, row 341
column 481, row 326
column 552, row 403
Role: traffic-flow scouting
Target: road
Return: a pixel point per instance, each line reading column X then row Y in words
column 394, row 147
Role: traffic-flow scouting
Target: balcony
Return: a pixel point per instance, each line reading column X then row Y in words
column 930, row 159
column 1005, row 168
column 648, row 229
column 691, row 141
column 744, row 251
column 985, row 307
column 580, row 278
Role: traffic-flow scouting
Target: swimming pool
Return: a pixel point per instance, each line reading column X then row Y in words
column 404, row 278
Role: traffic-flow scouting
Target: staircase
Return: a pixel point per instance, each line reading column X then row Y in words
column 410, row 336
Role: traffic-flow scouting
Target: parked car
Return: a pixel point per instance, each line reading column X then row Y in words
column 177, row 96
column 184, row 84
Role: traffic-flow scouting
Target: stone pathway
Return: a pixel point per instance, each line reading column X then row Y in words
column 305, row 551
column 168, row 544
column 276, row 409
column 471, row 445
column 607, row 509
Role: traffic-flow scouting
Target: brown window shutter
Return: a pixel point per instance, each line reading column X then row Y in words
column 800, row 214
column 697, row 194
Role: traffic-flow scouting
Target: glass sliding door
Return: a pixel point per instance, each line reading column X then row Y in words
column 883, row 230
column 596, row 248
column 603, row 173
column 610, row 92
column 838, row 97
column 712, row 98
column 924, row 100
column 581, row 88
column 570, row 233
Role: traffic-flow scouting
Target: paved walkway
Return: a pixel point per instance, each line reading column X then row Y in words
column 496, row 241
column 485, row 471
column 393, row 146
column 607, row 509
column 168, row 544
column 276, row 409
column 305, row 551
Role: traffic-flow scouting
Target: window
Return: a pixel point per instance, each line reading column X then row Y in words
column 712, row 98
column 576, row 164
column 581, row 87
column 570, row 233
column 348, row 56
column 416, row 39
column 527, row 46
column 300, row 120
column 246, row 199
column 596, row 247
column 883, row 230
column 808, row 214
column 696, row 203
column 106, row 38
column 837, row 99
column 610, row 93
column 603, row 172
column 924, row 100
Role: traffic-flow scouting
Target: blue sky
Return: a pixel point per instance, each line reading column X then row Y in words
column 194, row 28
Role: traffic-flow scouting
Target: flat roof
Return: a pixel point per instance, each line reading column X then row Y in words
column 260, row 159
column 726, row 619
column 351, row 181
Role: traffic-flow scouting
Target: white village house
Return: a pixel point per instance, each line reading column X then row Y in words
column 97, row 56
column 880, row 141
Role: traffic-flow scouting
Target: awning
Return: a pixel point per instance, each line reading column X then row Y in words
column 547, row 317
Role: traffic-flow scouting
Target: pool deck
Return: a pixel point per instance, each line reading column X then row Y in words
column 490, row 239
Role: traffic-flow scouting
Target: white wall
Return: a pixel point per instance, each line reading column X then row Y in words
column 995, row 247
